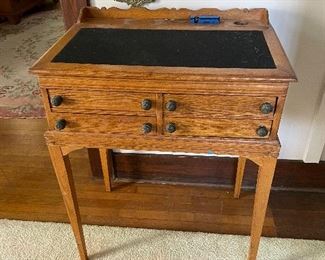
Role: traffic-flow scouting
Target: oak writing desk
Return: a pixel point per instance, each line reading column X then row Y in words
column 151, row 80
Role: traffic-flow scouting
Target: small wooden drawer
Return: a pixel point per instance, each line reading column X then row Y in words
column 111, row 124
column 219, row 106
column 101, row 102
column 216, row 127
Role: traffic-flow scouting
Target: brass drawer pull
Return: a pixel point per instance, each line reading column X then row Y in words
column 171, row 105
column 266, row 108
column 60, row 124
column 262, row 131
column 56, row 101
column 146, row 104
column 171, row 127
column 147, row 128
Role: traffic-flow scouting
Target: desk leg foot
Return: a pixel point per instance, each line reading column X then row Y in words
column 263, row 188
column 107, row 167
column 63, row 173
column 239, row 176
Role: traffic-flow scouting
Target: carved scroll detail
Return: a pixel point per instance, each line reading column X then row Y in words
column 136, row 3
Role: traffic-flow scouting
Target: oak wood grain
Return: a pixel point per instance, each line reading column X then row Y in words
column 63, row 173
column 113, row 124
column 277, row 116
column 263, row 187
column 242, row 147
column 258, row 14
column 224, row 121
column 102, row 102
column 165, row 86
column 239, row 176
column 159, row 113
column 218, row 106
column 107, row 166
column 216, row 127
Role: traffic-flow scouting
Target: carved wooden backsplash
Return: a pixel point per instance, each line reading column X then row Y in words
column 136, row 2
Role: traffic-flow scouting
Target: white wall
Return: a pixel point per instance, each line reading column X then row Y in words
column 316, row 139
column 300, row 25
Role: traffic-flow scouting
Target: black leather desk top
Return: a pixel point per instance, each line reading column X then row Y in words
column 171, row 48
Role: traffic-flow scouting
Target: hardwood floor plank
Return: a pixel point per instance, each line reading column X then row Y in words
column 29, row 191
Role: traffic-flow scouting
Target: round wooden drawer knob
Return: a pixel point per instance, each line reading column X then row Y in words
column 147, row 128
column 56, row 101
column 60, row 124
column 171, row 105
column 262, row 131
column 266, row 108
column 146, row 104
column 170, row 127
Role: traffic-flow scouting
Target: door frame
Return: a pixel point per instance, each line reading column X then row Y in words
column 71, row 10
column 316, row 139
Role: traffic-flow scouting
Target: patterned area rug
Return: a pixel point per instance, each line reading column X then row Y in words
column 20, row 46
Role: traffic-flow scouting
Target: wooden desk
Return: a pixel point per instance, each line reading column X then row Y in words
column 150, row 80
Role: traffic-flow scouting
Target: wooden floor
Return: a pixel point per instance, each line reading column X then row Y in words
column 29, row 191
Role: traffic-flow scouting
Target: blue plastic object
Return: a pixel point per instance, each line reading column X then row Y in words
column 205, row 19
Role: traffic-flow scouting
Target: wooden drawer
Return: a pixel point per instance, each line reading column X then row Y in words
column 218, row 106
column 101, row 102
column 112, row 124
column 216, row 127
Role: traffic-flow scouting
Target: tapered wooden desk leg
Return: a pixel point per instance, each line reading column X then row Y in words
column 263, row 188
column 95, row 164
column 63, row 173
column 239, row 176
column 107, row 167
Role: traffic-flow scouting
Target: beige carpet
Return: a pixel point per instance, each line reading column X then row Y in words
column 36, row 240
